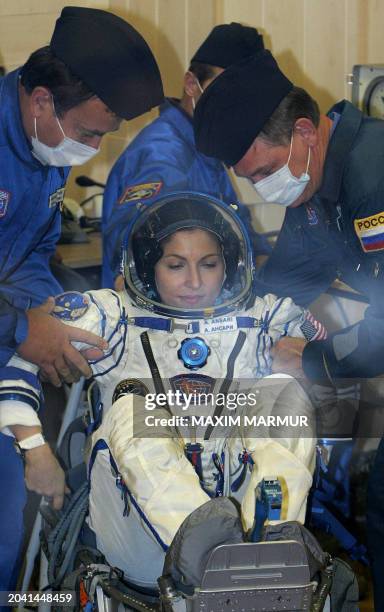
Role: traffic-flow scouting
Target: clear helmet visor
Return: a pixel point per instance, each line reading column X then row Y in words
column 188, row 255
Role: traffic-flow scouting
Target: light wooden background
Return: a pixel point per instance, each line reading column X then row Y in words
column 315, row 41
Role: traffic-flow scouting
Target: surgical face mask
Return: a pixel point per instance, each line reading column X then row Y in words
column 68, row 153
column 282, row 187
column 202, row 91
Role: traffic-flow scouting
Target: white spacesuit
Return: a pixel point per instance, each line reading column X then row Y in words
column 149, row 471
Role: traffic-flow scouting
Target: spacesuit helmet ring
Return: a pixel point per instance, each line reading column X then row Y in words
column 158, row 221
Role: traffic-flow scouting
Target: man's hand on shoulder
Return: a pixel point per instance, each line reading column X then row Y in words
column 48, row 345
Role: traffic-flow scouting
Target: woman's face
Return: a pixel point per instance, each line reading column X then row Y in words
column 190, row 273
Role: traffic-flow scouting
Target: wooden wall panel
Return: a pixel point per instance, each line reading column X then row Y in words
column 26, row 25
column 173, row 52
column 357, row 24
column 25, row 7
column 33, row 31
column 372, row 11
column 247, row 12
column 286, row 43
column 324, row 69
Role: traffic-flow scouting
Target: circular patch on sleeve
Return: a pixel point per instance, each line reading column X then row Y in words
column 129, row 386
column 70, row 306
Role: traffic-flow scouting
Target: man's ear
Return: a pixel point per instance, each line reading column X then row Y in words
column 40, row 101
column 190, row 86
column 307, row 130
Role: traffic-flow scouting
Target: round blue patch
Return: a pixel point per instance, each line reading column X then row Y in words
column 70, row 306
column 193, row 353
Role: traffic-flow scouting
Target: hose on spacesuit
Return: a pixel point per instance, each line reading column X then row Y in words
column 129, row 600
column 63, row 538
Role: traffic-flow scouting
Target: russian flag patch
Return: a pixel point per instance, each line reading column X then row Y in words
column 370, row 232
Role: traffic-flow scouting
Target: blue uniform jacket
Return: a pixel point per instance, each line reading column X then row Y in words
column 339, row 233
column 30, row 197
column 162, row 158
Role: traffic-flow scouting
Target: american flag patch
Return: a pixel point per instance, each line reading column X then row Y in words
column 313, row 329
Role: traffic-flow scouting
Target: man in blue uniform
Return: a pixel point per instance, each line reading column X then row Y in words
column 54, row 111
column 163, row 157
column 328, row 172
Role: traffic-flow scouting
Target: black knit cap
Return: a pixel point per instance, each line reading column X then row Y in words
column 110, row 57
column 236, row 105
column 228, row 44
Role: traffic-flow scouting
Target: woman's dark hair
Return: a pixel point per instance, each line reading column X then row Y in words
column 298, row 103
column 202, row 72
column 179, row 214
column 43, row 69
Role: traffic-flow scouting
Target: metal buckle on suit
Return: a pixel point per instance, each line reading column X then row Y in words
column 185, row 327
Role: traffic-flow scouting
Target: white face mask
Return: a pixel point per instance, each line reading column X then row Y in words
column 282, row 187
column 68, row 153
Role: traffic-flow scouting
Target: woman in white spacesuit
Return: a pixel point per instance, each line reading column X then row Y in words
column 194, row 330
column 188, row 412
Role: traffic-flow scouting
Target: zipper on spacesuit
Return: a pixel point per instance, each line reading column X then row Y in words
column 124, row 493
column 228, row 379
column 120, row 484
column 245, row 461
column 219, row 462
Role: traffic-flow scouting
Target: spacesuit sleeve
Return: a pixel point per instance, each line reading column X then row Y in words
column 285, row 318
column 161, row 481
column 100, row 312
column 20, row 394
column 283, row 452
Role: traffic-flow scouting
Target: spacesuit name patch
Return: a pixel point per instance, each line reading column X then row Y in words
column 220, row 324
column 140, row 192
column 370, row 231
